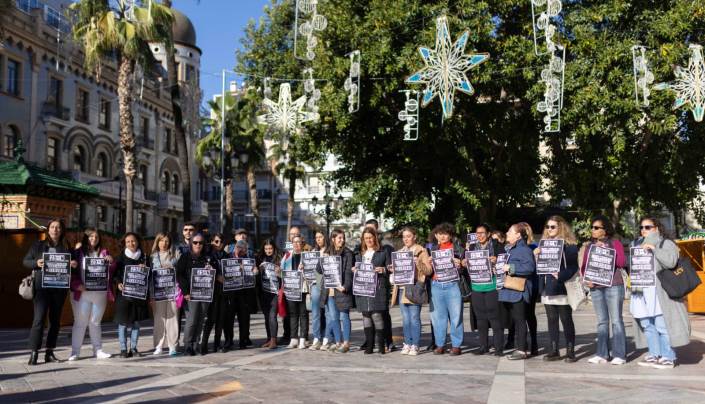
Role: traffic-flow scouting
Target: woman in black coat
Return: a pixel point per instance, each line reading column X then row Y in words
column 50, row 299
column 268, row 273
column 374, row 308
column 129, row 311
column 338, row 301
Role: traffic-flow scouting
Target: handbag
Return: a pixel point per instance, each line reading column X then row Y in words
column 281, row 304
column 464, row 285
column 514, row 283
column 416, row 293
column 679, row 281
column 26, row 288
column 576, row 293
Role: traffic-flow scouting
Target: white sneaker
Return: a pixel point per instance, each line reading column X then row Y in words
column 405, row 349
column 597, row 360
column 100, row 354
column 302, row 343
column 316, row 345
column 664, row 364
column 293, row 344
column 414, row 350
column 73, row 357
column 648, row 361
column 157, row 351
column 618, row 361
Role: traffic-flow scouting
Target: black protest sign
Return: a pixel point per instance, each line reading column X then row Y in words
column 310, row 259
column 95, row 274
column 479, row 266
column 599, row 268
column 135, row 282
column 404, row 267
column 472, row 238
column 56, row 272
column 163, row 284
column 332, row 267
column 550, row 256
column 443, row 266
column 233, row 277
column 500, row 269
column 202, row 283
column 248, row 274
column 270, row 281
column 365, row 280
column 642, row 267
column 293, row 283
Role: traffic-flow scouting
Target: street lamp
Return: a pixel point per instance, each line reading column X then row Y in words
column 327, row 212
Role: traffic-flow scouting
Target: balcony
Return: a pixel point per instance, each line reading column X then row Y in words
column 170, row 202
column 199, row 208
column 51, row 110
column 143, row 143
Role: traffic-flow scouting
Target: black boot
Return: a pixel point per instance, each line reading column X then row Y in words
column 570, row 353
column 204, row 348
column 535, row 347
column 49, row 356
column 369, row 340
column 381, row 342
column 554, row 355
column 33, row 358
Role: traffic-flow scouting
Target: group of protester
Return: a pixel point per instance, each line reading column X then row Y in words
column 507, row 301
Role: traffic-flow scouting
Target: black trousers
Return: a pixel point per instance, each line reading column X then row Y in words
column 45, row 301
column 565, row 314
column 531, row 323
column 235, row 304
column 487, row 311
column 268, row 301
column 298, row 317
column 517, row 312
column 214, row 318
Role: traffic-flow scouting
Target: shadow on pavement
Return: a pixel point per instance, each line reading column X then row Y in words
column 69, row 393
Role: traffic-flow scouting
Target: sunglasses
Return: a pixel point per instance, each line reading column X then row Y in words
column 550, row 227
column 646, row 227
column 597, row 228
column 197, row 242
column 216, row 241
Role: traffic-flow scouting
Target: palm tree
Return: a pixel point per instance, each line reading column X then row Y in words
column 285, row 161
column 125, row 33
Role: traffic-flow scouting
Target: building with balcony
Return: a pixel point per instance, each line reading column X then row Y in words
column 68, row 120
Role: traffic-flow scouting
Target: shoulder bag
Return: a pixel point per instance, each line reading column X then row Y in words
column 26, row 288
column 679, row 281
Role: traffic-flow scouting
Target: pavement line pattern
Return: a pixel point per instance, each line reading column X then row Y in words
column 326, row 369
column 509, row 373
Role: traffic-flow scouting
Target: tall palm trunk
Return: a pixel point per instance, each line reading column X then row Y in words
column 254, row 203
column 179, row 131
column 127, row 136
column 290, row 203
column 229, row 208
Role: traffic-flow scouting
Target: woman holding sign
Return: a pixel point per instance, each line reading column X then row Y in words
column 660, row 323
column 558, row 254
column 296, row 305
column 269, row 272
column 321, row 245
column 606, row 289
column 372, row 306
column 516, row 293
column 47, row 299
column 411, row 310
column 166, row 314
column 90, row 293
column 130, row 310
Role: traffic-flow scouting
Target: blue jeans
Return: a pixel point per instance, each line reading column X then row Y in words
column 657, row 337
column 411, row 319
column 447, row 307
column 315, row 311
column 608, row 308
column 134, row 335
column 334, row 317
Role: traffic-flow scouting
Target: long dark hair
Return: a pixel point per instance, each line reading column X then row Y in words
column 606, row 223
column 62, row 238
column 261, row 254
column 326, row 242
column 331, row 247
column 85, row 243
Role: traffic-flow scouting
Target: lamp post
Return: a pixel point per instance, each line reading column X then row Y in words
column 327, row 213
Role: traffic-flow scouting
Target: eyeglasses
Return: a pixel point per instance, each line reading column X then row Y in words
column 550, row 227
column 646, row 227
column 597, row 228
column 197, row 242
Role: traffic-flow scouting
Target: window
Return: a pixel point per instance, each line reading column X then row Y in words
column 143, row 174
column 104, row 117
column 165, row 225
column 145, row 130
column 82, row 105
column 190, row 73
column 79, row 159
column 9, row 150
column 167, row 140
column 141, row 222
column 100, row 214
column 56, row 88
column 13, row 77
column 166, row 182
column 175, row 184
column 101, row 169
column 51, row 154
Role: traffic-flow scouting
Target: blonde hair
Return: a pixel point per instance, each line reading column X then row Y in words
column 155, row 247
column 564, row 230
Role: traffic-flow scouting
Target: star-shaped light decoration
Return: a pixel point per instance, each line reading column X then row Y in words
column 285, row 116
column 446, row 68
column 690, row 84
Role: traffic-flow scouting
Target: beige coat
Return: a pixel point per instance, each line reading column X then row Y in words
column 422, row 271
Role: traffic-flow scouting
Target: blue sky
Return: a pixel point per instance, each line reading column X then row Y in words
column 219, row 26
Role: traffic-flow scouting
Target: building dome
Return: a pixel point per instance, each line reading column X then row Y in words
column 183, row 30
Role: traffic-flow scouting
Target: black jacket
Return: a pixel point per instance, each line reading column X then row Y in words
column 35, row 253
column 343, row 300
column 127, row 309
column 381, row 300
column 186, row 263
column 550, row 286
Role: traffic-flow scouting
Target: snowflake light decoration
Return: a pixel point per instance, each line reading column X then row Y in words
column 410, row 115
column 690, row 84
column 446, row 68
column 643, row 77
column 285, row 116
column 308, row 28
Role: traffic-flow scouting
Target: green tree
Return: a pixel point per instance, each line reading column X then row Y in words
column 104, row 32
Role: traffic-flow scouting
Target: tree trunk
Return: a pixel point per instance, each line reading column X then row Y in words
column 179, row 131
column 127, row 136
column 290, row 204
column 254, row 204
column 229, row 208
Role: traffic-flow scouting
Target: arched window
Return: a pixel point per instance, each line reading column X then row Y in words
column 79, row 159
column 101, row 169
column 10, row 141
column 166, row 181
column 175, row 184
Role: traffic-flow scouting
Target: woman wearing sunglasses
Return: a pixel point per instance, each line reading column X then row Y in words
column 607, row 300
column 660, row 323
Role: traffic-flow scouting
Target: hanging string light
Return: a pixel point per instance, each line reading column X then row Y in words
column 352, row 83
column 643, row 77
column 314, row 23
column 410, row 115
column 312, row 92
column 553, row 75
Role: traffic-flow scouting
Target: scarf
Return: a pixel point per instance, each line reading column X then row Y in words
column 133, row 255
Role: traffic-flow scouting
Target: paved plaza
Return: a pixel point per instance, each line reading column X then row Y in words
column 294, row 376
